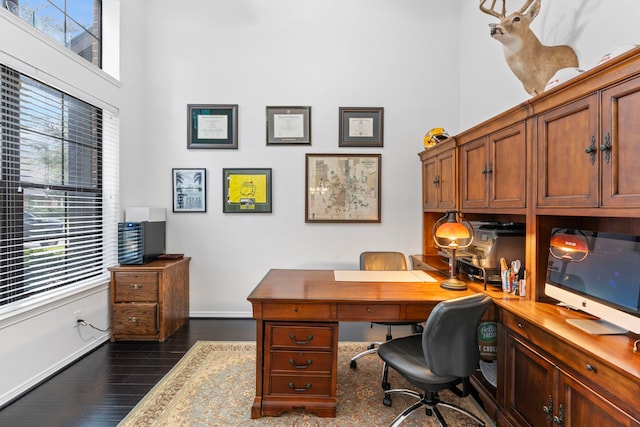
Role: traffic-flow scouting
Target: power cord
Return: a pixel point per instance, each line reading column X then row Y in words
column 82, row 322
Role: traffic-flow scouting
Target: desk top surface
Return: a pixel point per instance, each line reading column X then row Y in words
column 320, row 286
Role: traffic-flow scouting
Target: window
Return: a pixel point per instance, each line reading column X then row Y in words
column 52, row 214
column 76, row 24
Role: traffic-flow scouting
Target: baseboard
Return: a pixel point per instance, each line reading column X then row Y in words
column 222, row 314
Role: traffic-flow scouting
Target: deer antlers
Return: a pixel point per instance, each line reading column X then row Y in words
column 532, row 62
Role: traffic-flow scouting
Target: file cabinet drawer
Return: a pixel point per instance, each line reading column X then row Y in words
column 301, row 361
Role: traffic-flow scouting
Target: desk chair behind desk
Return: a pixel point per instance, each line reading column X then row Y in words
column 443, row 357
column 381, row 261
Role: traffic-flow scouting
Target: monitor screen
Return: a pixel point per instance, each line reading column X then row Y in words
column 597, row 267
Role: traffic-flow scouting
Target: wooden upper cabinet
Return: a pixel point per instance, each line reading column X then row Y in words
column 583, row 165
column 620, row 147
column 568, row 155
column 439, row 173
column 493, row 170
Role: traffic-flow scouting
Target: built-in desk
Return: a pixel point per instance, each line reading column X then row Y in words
column 297, row 314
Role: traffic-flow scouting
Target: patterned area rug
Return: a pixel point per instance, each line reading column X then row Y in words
column 214, row 385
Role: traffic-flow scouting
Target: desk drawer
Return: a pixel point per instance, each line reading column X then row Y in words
column 299, row 336
column 419, row 312
column 300, row 385
column 301, row 362
column 369, row 312
column 287, row 311
column 136, row 287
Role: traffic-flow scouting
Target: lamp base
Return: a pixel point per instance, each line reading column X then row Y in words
column 454, row 284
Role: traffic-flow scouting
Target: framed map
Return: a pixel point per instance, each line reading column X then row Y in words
column 342, row 188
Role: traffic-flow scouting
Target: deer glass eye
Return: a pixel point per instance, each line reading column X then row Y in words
column 516, row 19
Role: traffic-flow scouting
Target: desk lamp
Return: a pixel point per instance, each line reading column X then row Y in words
column 452, row 232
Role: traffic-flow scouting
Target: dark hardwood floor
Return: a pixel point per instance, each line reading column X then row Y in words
column 101, row 388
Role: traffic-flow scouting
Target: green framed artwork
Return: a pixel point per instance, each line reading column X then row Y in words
column 246, row 190
column 212, row 126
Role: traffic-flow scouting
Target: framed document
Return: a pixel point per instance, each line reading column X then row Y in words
column 246, row 190
column 189, row 190
column 361, row 127
column 342, row 188
column 288, row 125
column 212, row 126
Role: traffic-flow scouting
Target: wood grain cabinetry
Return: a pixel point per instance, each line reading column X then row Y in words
column 548, row 382
column 439, row 177
column 493, row 170
column 149, row 301
column 301, row 363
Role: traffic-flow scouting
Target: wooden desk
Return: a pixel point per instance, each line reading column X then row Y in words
column 297, row 314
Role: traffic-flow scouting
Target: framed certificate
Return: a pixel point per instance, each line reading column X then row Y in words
column 288, row 125
column 361, row 127
column 212, row 126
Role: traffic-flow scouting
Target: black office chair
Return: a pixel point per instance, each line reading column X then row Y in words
column 381, row 261
column 443, row 357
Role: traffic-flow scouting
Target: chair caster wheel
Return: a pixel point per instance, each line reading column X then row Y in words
column 386, row 386
column 386, row 401
column 353, row 364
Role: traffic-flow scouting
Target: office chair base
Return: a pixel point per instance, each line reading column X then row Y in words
column 431, row 402
column 371, row 349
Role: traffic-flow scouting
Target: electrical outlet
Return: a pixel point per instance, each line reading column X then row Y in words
column 77, row 315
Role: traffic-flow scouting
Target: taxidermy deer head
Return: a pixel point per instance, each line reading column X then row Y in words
column 531, row 61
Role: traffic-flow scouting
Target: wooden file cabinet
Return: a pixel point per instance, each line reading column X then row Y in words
column 301, row 362
column 149, row 301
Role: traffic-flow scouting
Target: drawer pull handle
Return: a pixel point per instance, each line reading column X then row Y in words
column 295, row 340
column 293, row 387
column 134, row 319
column 591, row 368
column 296, row 309
column 135, row 286
column 368, row 309
column 293, row 363
column 520, row 325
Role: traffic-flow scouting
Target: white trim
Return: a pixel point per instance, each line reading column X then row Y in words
column 16, row 63
column 221, row 314
column 31, row 307
column 51, row 370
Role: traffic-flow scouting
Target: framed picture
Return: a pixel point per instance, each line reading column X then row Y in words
column 246, row 190
column 212, row 126
column 361, row 127
column 342, row 188
column 288, row 125
column 189, row 190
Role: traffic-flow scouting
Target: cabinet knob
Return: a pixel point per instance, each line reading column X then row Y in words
column 606, row 147
column 591, row 368
column 135, row 286
column 520, row 325
column 591, row 150
column 134, row 319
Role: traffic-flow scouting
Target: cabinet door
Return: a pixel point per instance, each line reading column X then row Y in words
column 508, row 154
column 430, row 183
column 474, row 167
column 439, row 181
column 619, row 148
column 447, row 180
column 529, row 381
column 580, row 406
column 567, row 147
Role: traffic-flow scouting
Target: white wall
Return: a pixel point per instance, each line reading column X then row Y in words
column 591, row 27
column 38, row 339
column 427, row 63
column 326, row 54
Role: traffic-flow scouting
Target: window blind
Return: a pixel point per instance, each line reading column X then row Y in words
column 58, row 189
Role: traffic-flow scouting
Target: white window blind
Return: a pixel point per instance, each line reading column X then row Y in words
column 58, row 184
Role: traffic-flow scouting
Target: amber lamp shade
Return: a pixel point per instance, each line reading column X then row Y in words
column 449, row 228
